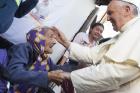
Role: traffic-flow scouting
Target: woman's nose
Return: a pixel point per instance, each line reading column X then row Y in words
column 54, row 41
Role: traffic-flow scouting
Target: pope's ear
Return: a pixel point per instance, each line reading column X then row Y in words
column 127, row 10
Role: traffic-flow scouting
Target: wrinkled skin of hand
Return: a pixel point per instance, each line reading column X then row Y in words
column 61, row 38
column 58, row 76
column 67, row 75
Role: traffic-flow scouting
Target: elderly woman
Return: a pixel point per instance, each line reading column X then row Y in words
column 30, row 66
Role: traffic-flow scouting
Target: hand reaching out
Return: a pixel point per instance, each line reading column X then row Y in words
column 60, row 37
column 58, row 76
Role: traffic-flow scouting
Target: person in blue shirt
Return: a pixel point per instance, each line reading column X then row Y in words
column 29, row 65
column 13, row 8
column 8, row 10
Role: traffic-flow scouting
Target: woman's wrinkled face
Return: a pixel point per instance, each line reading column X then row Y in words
column 50, row 41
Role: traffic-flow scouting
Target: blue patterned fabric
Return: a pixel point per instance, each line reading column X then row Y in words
column 3, row 62
column 36, row 37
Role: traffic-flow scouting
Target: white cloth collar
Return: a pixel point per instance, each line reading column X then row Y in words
column 127, row 45
column 128, row 24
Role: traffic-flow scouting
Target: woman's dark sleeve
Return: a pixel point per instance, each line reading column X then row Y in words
column 67, row 67
column 25, row 7
column 19, row 56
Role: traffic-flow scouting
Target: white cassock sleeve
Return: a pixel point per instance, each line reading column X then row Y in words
column 104, row 77
column 119, row 62
column 83, row 54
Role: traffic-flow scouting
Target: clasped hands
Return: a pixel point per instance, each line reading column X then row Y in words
column 58, row 76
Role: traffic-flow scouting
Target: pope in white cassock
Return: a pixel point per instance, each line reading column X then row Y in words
column 116, row 63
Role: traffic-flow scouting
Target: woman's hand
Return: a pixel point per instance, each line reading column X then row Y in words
column 58, row 76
